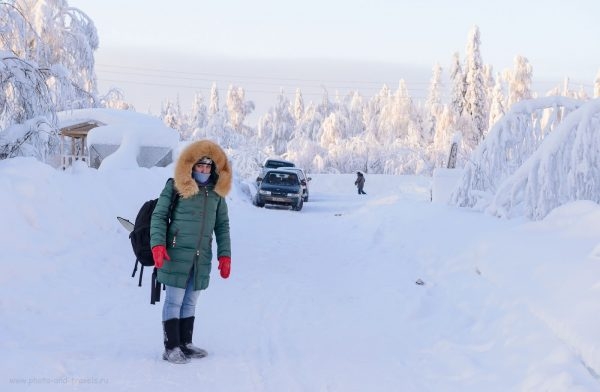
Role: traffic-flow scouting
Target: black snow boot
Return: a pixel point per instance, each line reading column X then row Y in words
column 186, row 328
column 172, row 342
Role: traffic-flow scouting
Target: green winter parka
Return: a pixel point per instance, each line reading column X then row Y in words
column 199, row 212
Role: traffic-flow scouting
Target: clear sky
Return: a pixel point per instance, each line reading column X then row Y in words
column 559, row 38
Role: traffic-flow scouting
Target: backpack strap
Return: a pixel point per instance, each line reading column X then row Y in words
column 141, row 274
column 174, row 197
column 134, row 268
column 155, row 287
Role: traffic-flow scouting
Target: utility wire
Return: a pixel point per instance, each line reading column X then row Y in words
column 213, row 75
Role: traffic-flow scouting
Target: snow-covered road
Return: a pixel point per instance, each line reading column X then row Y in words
column 323, row 299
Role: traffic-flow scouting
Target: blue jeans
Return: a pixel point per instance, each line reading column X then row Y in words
column 180, row 303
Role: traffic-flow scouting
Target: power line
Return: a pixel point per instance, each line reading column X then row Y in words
column 190, row 87
column 213, row 76
column 365, row 88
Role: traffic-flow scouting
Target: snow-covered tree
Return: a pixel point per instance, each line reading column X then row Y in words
column 325, row 107
column 396, row 115
column 562, row 170
column 519, row 81
column 475, row 93
column 25, row 96
column 298, row 106
column 457, row 80
column 46, row 65
column 333, row 129
column 64, row 36
column 497, row 109
column 509, row 144
column 372, row 112
column 433, row 105
column 171, row 114
column 238, row 109
column 115, row 99
column 444, row 132
column 198, row 118
column 213, row 106
column 277, row 126
column 356, row 125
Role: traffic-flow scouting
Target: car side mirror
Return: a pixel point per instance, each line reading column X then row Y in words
column 309, row 178
column 303, row 182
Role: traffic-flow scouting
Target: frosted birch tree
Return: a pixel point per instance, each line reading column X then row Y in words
column 198, row 118
column 356, row 125
column 115, row 99
column 238, row 108
column 46, row 64
column 170, row 114
column 63, row 36
column 373, row 109
column 519, row 81
column 276, row 128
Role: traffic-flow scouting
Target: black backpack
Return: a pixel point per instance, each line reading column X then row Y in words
column 140, row 242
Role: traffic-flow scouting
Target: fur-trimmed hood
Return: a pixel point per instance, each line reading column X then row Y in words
column 185, row 184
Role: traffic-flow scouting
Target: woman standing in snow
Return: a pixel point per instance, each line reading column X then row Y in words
column 202, row 180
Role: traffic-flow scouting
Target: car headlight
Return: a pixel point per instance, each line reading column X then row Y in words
column 266, row 193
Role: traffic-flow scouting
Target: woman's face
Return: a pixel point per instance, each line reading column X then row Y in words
column 202, row 167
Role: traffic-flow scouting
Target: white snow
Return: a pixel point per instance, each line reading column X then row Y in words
column 323, row 299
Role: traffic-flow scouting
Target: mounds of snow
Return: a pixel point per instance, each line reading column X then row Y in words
column 578, row 218
column 444, row 182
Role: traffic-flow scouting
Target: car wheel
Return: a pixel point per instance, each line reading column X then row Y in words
column 258, row 203
column 298, row 206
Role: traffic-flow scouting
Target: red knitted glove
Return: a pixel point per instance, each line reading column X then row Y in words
column 225, row 266
column 159, row 253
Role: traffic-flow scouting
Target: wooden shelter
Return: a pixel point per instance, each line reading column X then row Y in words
column 73, row 143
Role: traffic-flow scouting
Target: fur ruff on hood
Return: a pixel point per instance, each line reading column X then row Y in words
column 185, row 184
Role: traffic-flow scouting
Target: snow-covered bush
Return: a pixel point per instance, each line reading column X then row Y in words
column 508, row 145
column 565, row 168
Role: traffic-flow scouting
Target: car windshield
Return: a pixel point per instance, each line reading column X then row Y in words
column 278, row 164
column 282, row 179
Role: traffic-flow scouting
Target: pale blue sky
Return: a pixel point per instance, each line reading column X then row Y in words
column 559, row 38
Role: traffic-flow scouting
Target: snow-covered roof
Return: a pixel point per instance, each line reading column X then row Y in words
column 145, row 129
column 124, row 138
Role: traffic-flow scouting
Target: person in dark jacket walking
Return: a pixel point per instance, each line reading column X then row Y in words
column 182, row 248
column 360, row 183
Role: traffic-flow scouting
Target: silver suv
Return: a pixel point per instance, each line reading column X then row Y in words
column 272, row 163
